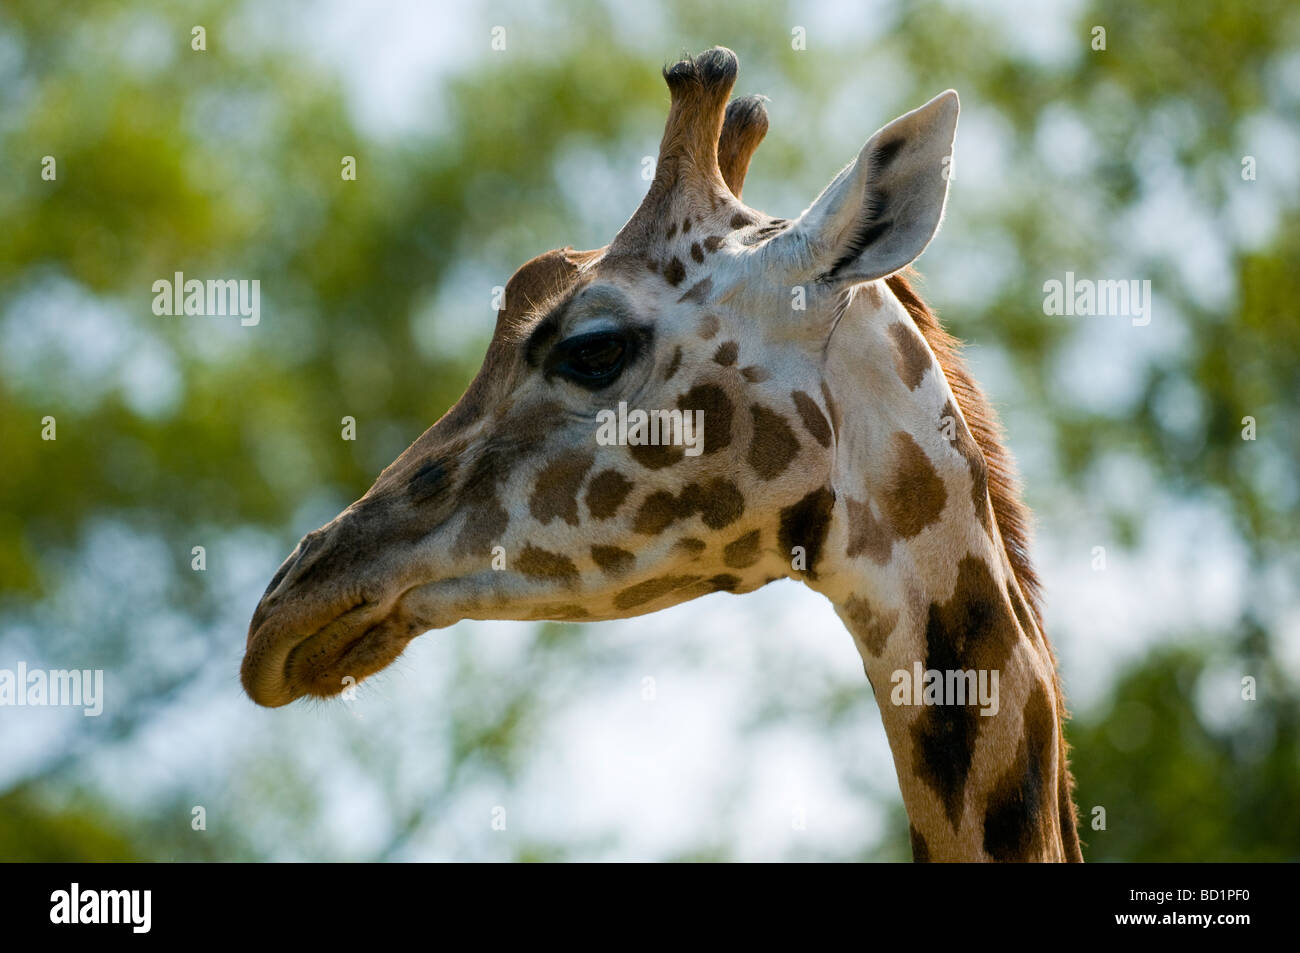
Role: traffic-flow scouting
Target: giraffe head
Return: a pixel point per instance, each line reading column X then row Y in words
column 528, row 500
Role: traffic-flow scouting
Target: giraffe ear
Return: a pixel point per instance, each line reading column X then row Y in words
column 881, row 211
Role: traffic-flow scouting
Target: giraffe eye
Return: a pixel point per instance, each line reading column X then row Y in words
column 591, row 360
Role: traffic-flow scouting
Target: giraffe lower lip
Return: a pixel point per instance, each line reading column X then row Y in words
column 336, row 658
column 280, row 667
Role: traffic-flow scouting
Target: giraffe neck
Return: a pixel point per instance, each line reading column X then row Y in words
column 963, row 676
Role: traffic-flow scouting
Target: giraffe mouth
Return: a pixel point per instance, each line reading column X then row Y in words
column 280, row 667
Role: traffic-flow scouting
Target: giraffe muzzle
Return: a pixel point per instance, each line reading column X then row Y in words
column 284, row 661
column 316, row 630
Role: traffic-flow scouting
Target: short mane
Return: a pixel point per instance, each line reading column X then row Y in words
column 1008, row 509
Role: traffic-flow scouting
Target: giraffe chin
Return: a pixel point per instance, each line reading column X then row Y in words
column 278, row 669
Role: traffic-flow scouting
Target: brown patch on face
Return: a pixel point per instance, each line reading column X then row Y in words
column 718, row 503
column 674, row 271
column 867, row 535
column 806, row 524
column 1020, row 807
column 652, row 265
column 673, row 364
column 612, row 560
column 555, row 494
column 708, row 326
column 872, row 291
column 754, row 374
column 540, row 563
column 743, row 552
column 814, row 421
column 915, row 495
column 430, row 480
column 658, row 511
column 911, row 356
column 690, row 545
column 672, row 230
column 726, row 353
column 725, row 582
column 686, row 224
column 698, row 292
column 871, row 626
column 972, row 630
column 697, row 252
column 656, row 456
column 773, row 445
column 740, row 220
column 717, row 408
column 713, row 243
column 650, row 590
column 606, row 493
column 979, row 471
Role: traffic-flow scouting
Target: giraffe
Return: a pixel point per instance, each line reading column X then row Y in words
column 844, row 444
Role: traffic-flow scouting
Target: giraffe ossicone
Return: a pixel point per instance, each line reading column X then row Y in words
column 843, row 444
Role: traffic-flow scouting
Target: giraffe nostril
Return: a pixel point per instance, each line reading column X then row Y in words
column 282, row 574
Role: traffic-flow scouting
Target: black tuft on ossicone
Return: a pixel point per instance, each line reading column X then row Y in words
column 715, row 67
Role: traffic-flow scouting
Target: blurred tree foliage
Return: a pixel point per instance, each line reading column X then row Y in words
column 226, row 163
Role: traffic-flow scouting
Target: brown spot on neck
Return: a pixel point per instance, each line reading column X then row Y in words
column 1020, row 811
column 920, row 850
column 806, row 524
column 867, row 535
column 773, row 445
column 814, row 421
column 871, row 626
column 975, row 630
column 915, row 495
column 911, row 356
